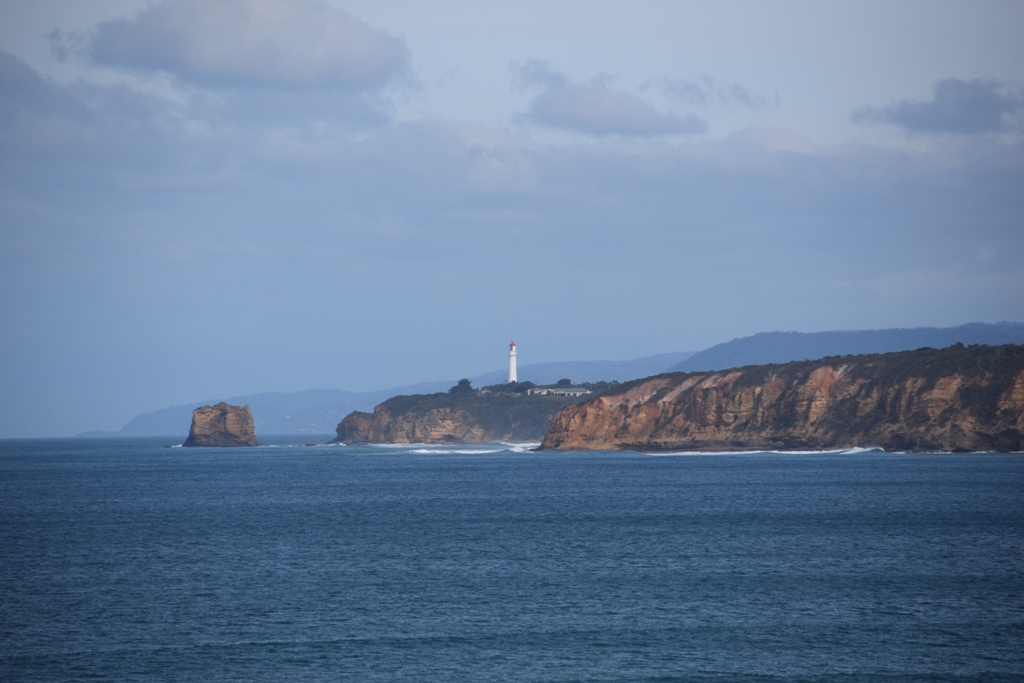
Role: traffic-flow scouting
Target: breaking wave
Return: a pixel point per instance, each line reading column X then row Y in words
column 456, row 451
column 463, row 449
column 521, row 447
column 834, row 451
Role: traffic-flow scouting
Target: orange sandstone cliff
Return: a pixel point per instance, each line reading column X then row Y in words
column 954, row 399
column 222, row 425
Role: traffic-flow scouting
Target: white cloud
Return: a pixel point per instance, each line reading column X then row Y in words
column 595, row 108
column 707, row 89
column 131, row 222
column 972, row 107
column 289, row 43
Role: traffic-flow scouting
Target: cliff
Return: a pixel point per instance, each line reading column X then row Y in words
column 466, row 417
column 954, row 399
column 222, row 425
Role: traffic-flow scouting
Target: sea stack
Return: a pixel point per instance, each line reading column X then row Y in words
column 222, row 425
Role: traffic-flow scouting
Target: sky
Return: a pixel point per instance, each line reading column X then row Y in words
column 207, row 198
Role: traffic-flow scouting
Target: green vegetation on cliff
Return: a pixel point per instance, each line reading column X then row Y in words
column 460, row 415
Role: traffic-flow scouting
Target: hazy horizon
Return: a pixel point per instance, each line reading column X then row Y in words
column 225, row 197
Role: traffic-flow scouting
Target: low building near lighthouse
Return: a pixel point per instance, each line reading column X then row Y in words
column 559, row 390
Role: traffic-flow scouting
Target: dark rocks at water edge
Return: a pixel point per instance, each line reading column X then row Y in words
column 222, row 425
column 953, row 399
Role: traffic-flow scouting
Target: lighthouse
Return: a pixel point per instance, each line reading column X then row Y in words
column 512, row 363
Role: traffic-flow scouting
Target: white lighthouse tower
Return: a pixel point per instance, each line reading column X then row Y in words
column 512, row 363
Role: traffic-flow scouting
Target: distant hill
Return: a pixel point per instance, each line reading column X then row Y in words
column 785, row 347
column 318, row 411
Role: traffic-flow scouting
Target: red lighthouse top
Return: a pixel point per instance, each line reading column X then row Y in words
column 512, row 344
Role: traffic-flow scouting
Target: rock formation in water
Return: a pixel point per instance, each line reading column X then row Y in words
column 454, row 417
column 953, row 399
column 222, row 425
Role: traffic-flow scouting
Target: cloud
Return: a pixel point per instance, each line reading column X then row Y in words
column 64, row 46
column 136, row 226
column 702, row 93
column 277, row 43
column 972, row 107
column 28, row 100
column 22, row 88
column 596, row 109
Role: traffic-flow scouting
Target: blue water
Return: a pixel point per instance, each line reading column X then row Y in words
column 121, row 560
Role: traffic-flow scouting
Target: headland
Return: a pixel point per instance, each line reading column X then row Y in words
column 955, row 399
column 514, row 412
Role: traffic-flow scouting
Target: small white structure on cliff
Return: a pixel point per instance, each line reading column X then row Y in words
column 512, row 377
column 558, row 391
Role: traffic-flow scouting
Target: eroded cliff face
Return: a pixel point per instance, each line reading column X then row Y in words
column 440, row 425
column 222, row 425
column 954, row 399
column 445, row 418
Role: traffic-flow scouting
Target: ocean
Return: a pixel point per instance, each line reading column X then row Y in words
column 123, row 560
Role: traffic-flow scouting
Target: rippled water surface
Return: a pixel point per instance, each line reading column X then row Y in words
column 122, row 560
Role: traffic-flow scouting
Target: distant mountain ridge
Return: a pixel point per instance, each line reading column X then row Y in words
column 786, row 347
column 315, row 411
column 318, row 411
